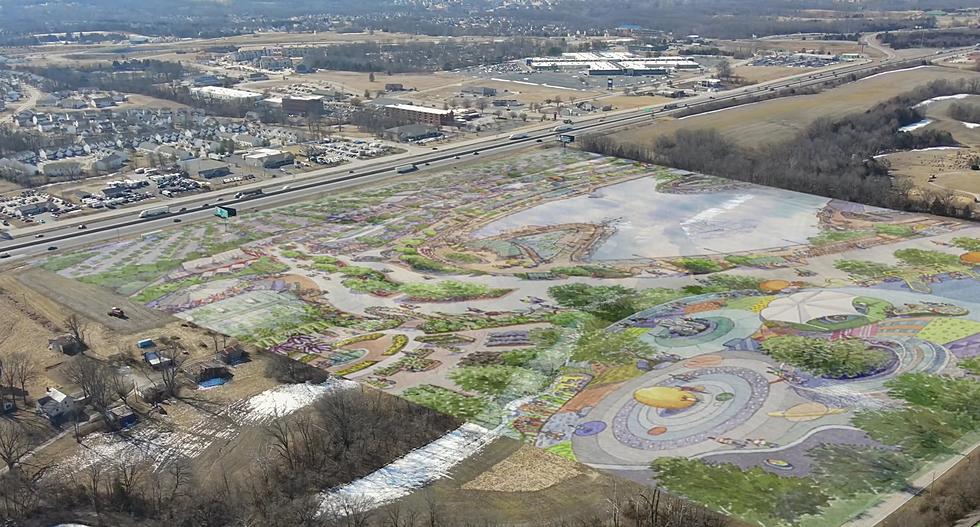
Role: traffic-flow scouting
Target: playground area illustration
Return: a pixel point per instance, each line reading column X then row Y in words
column 675, row 329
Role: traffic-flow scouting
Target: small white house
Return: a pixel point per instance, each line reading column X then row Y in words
column 56, row 404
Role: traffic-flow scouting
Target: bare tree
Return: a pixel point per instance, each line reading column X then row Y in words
column 77, row 328
column 23, row 369
column 724, row 70
column 173, row 360
column 97, row 381
column 8, row 379
column 15, row 443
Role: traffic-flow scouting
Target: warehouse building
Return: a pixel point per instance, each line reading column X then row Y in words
column 613, row 63
column 219, row 93
column 268, row 158
column 303, row 105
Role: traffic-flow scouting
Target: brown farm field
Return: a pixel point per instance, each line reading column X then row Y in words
column 760, row 123
column 757, row 74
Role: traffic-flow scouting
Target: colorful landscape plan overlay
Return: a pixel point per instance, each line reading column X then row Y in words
column 705, row 335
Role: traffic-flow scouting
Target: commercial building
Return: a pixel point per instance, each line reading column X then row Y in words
column 485, row 91
column 420, row 114
column 206, row 168
column 411, row 133
column 613, row 63
column 303, row 105
column 267, row 158
column 220, row 93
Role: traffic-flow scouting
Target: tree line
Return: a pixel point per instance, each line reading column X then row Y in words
column 944, row 38
column 965, row 112
column 833, row 158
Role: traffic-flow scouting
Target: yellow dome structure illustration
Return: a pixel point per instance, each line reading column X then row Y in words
column 772, row 286
column 666, row 397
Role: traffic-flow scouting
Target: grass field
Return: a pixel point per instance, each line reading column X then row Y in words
column 763, row 122
column 950, row 167
column 756, row 74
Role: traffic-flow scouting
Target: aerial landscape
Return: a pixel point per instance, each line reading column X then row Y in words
column 479, row 263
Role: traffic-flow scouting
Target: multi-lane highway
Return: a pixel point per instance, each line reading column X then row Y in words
column 121, row 223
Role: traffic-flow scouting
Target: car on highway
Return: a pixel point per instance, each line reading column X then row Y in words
column 52, row 247
column 182, row 209
column 206, row 205
column 82, row 227
column 177, row 220
column 455, row 157
column 39, row 236
column 4, row 255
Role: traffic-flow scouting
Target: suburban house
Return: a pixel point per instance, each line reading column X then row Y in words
column 56, row 405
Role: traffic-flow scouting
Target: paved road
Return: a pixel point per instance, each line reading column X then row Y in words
column 872, row 42
column 63, row 236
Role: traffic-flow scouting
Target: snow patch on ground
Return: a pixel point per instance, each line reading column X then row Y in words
column 413, row 471
column 159, row 444
column 286, row 399
column 151, row 443
column 942, row 98
column 930, row 149
column 971, row 126
column 915, row 125
column 890, row 72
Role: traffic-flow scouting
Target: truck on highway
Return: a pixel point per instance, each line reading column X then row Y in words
column 247, row 193
column 517, row 136
column 563, row 128
column 670, row 106
column 155, row 211
column 405, row 169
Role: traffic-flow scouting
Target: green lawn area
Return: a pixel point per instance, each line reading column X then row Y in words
column 946, row 330
column 829, row 237
column 265, row 265
column 446, row 401
column 154, row 292
column 449, row 290
column 59, row 263
column 133, row 276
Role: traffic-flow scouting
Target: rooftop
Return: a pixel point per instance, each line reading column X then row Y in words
column 422, row 109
